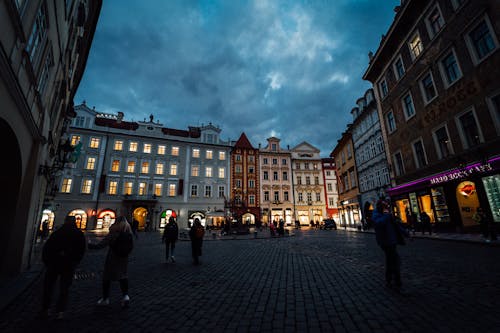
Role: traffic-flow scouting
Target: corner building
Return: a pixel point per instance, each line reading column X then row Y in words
column 435, row 75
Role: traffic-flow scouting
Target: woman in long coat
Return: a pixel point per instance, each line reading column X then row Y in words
column 115, row 266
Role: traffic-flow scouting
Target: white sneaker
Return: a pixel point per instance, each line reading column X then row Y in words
column 125, row 301
column 103, row 301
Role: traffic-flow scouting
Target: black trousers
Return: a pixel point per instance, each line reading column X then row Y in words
column 106, row 286
column 169, row 248
column 392, row 265
column 65, row 277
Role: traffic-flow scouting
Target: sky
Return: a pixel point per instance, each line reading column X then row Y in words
column 288, row 69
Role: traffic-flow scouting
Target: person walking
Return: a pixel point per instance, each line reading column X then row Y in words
column 135, row 228
column 389, row 234
column 170, row 237
column 119, row 241
column 196, row 234
column 426, row 223
column 61, row 254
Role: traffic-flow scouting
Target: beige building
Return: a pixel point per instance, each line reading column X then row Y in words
column 44, row 48
column 276, row 192
column 308, row 183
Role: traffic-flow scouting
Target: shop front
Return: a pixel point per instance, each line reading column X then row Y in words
column 452, row 197
column 350, row 213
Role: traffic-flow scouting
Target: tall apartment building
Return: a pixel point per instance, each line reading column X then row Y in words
column 243, row 205
column 330, row 184
column 369, row 152
column 276, row 191
column 349, row 200
column 44, row 49
column 142, row 170
column 308, row 184
column 435, row 75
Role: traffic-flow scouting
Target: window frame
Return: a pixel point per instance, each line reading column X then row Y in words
column 429, row 24
column 399, row 76
column 461, row 132
column 472, row 47
column 437, row 144
column 423, row 89
column 443, row 70
column 403, row 104
column 387, row 123
column 419, row 46
column 416, row 158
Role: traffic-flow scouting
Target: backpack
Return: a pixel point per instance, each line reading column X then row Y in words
column 199, row 232
column 123, row 244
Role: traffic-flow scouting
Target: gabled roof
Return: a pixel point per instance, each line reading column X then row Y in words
column 243, row 142
column 305, row 146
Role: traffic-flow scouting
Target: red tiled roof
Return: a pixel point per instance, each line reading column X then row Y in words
column 243, row 142
column 126, row 125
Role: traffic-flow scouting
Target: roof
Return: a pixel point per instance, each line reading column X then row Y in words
column 243, row 142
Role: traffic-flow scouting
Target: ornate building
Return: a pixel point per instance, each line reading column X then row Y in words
column 435, row 75
column 331, row 189
column 44, row 49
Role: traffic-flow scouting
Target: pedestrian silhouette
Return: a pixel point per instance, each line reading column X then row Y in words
column 61, row 254
column 170, row 237
column 196, row 234
column 426, row 223
column 135, row 228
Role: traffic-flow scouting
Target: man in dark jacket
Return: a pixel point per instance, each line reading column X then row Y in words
column 386, row 232
column 61, row 253
column 170, row 236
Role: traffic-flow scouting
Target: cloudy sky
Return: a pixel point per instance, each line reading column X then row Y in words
column 290, row 69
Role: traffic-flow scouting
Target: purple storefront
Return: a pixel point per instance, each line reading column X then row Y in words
column 451, row 198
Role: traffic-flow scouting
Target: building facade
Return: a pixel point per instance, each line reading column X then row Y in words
column 308, row 184
column 435, row 75
column 349, row 200
column 330, row 182
column 276, row 191
column 369, row 152
column 44, row 49
column 142, row 170
column 243, row 205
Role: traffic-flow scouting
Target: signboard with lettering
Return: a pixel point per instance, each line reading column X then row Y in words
column 459, row 174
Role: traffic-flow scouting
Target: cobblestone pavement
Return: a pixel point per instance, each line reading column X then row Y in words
column 315, row 281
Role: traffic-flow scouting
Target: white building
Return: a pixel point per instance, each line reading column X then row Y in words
column 144, row 171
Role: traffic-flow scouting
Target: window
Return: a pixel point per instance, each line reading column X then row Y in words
column 285, row 175
column 308, row 180
column 113, row 187
column 208, row 191
column 469, row 129
column 408, row 108
column 94, row 143
column 173, row 169
column 415, row 46
column 146, row 149
column 250, row 159
column 274, row 147
column 251, row 183
column 331, row 202
column 158, row 189
column 450, row 71
column 131, row 166
column 238, row 158
column 309, row 197
column 383, row 88
column 316, row 180
column 132, row 146
column 44, row 75
column 172, row 190
column 127, row 188
column 115, row 166
column 75, row 139
column 237, row 168
column 266, row 195
column 251, row 199
column 349, row 151
column 175, row 151
column 194, row 190
column 79, row 121
column 481, row 41
column 434, row 22
column 275, row 161
column 142, row 189
column 276, row 196
column 266, row 175
column 442, row 142
column 209, row 154
column 265, row 161
column 159, row 168
column 86, row 186
column 66, row 185
column 299, row 180
column 251, row 169
column 283, row 161
column 318, row 196
column 118, row 145
column 208, row 172
column 196, row 153
column 195, row 170
column 494, row 106
column 353, row 178
column 286, row 196
column 222, row 172
column 275, row 175
column 329, row 187
column 161, row 149
column 222, row 191
column 222, row 155
column 390, row 122
column 301, row 197
column 297, row 166
column 399, row 68
column 90, row 165
column 398, row 164
column 145, row 167
column 38, row 33
column 419, row 154
column 428, row 88
column 306, row 165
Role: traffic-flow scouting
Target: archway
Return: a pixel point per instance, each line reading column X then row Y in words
column 105, row 219
column 81, row 218
column 47, row 215
column 165, row 215
column 467, row 202
column 248, row 219
column 141, row 215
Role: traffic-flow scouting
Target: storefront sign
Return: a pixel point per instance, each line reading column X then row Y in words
column 459, row 174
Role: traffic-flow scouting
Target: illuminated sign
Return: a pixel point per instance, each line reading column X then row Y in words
column 459, row 174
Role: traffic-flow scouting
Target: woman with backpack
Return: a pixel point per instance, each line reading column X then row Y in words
column 119, row 241
column 196, row 234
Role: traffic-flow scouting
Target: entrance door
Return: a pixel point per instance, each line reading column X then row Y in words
column 467, row 202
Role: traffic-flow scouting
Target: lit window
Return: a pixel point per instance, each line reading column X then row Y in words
column 209, row 154
column 142, row 189
column 66, row 185
column 75, row 139
column 449, row 68
column 175, row 151
column 159, row 168
column 196, row 153
column 147, row 148
column 145, row 167
column 222, row 155
column 173, row 169
column 131, row 166
column 133, row 146
column 112, row 188
column 428, row 88
column 481, row 41
column 195, row 170
column 118, row 145
column 94, row 143
column 408, row 107
column 161, row 149
column 115, row 166
column 208, row 172
column 86, row 186
column 127, row 188
column 158, row 189
column 416, row 46
column 90, row 165
column 171, row 190
column 222, row 172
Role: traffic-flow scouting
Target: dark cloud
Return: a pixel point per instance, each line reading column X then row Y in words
column 264, row 67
